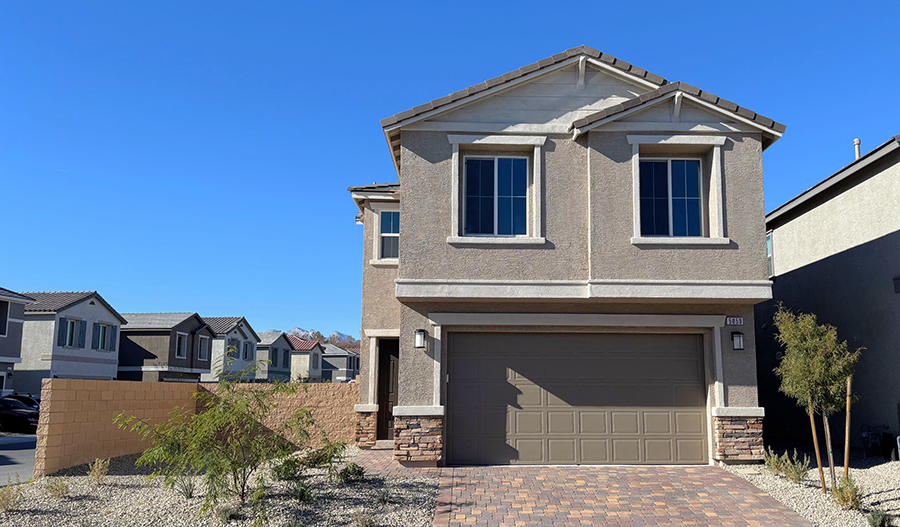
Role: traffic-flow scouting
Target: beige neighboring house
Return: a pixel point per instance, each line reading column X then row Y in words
column 306, row 360
column 566, row 271
column 274, row 351
column 834, row 250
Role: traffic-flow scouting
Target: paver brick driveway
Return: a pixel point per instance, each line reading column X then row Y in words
column 577, row 496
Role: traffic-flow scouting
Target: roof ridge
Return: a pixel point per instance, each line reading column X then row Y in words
column 59, row 292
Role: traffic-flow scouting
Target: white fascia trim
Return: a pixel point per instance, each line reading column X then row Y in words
column 736, row 117
column 11, row 360
column 19, row 320
column 365, row 408
column 738, row 411
column 676, row 139
column 473, row 139
column 442, row 289
column 678, row 240
column 376, row 333
column 174, row 369
column 489, row 128
column 387, row 262
column 750, row 290
column 376, row 196
column 418, row 411
column 496, row 240
column 576, row 319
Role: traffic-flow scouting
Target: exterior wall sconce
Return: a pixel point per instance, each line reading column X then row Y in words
column 737, row 340
column 420, row 338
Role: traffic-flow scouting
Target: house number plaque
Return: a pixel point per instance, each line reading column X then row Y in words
column 734, row 321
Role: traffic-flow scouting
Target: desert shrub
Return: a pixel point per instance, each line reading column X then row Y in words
column 10, row 495
column 879, row 518
column 58, row 487
column 361, row 519
column 226, row 440
column 288, row 469
column 98, row 470
column 227, row 513
column 299, row 491
column 847, row 494
column 185, row 486
column 327, row 457
column 794, row 469
column 383, row 496
column 352, row 473
column 258, row 502
column 773, row 462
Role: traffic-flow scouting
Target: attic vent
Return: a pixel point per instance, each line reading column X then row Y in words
column 92, row 303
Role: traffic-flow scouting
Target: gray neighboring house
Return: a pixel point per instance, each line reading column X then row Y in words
column 233, row 334
column 834, row 250
column 566, row 271
column 276, row 349
column 164, row 347
column 70, row 335
column 338, row 364
column 12, row 317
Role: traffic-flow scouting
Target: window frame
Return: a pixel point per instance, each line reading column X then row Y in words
column 4, row 325
column 286, row 358
column 377, row 260
column 464, row 195
column 184, row 341
column 72, row 336
column 200, row 348
column 770, row 254
column 704, row 230
column 103, row 336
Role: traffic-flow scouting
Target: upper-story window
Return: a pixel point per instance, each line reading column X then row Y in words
column 203, row 351
column 496, row 196
column 181, row 346
column 389, row 235
column 104, row 337
column 671, row 197
column 71, row 333
column 770, row 264
column 287, row 359
column 314, row 361
column 248, row 352
column 4, row 317
column 233, row 348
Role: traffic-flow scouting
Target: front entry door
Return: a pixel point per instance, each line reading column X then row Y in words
column 388, row 368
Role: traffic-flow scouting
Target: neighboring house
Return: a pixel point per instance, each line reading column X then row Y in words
column 835, row 251
column 306, row 360
column 235, row 336
column 338, row 364
column 69, row 335
column 275, row 351
column 175, row 347
column 566, row 272
column 12, row 317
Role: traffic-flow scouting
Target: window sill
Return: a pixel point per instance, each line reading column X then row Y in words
column 663, row 241
column 495, row 240
column 384, row 263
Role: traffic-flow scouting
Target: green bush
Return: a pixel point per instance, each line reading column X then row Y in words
column 847, row 494
column 58, row 487
column 299, row 491
column 227, row 513
column 327, row 457
column 879, row 518
column 288, row 469
column 793, row 468
column 352, row 473
column 185, row 486
column 773, row 462
column 383, row 496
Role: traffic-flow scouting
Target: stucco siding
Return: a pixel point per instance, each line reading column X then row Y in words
column 11, row 343
column 856, row 216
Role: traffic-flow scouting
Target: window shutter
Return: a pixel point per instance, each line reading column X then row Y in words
column 95, row 338
column 82, row 333
column 61, row 332
column 111, row 343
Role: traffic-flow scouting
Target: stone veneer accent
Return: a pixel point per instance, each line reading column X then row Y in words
column 365, row 429
column 418, row 438
column 738, row 439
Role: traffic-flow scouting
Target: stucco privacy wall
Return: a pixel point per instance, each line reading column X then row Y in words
column 417, row 366
column 76, row 423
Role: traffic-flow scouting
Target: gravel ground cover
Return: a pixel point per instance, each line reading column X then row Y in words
column 879, row 480
column 127, row 499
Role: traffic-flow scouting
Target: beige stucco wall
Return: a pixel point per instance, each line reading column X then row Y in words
column 858, row 215
column 417, row 366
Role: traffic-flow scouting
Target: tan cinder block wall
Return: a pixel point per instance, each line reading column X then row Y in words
column 331, row 405
column 76, row 422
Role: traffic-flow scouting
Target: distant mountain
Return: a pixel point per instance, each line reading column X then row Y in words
column 340, row 336
column 337, row 338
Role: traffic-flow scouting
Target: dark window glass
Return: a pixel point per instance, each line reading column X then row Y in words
column 390, row 222
column 4, row 316
column 390, row 247
column 512, row 212
column 479, row 196
column 654, row 193
column 686, row 218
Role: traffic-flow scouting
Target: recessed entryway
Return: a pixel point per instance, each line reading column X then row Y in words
column 388, row 381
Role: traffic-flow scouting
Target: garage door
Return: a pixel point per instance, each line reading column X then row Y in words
column 576, row 399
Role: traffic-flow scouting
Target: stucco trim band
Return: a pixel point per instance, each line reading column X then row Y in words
column 749, row 290
column 496, row 240
column 479, row 139
column 365, row 408
column 575, row 319
column 418, row 411
column 676, row 139
column 376, row 333
column 682, row 241
column 176, row 369
column 738, row 411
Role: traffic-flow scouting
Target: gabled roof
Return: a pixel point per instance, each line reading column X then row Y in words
column 12, row 296
column 51, row 302
column 267, row 338
column 832, row 185
column 302, row 345
column 332, row 350
column 663, row 91
column 221, row 326
column 156, row 320
column 375, row 191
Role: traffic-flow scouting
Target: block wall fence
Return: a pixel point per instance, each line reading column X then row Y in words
column 76, row 421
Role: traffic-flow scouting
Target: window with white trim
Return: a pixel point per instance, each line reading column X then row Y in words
column 181, row 346
column 203, row 351
column 770, row 264
column 495, row 196
column 389, row 235
column 671, row 197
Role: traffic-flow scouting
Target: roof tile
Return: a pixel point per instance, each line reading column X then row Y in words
column 12, row 294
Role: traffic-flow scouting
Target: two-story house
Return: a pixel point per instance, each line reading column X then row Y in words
column 172, row 347
column 274, row 353
column 233, row 349
column 339, row 364
column 566, row 271
column 12, row 316
column 306, row 360
column 69, row 335
column 834, row 250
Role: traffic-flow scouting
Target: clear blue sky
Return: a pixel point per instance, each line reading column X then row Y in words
column 194, row 156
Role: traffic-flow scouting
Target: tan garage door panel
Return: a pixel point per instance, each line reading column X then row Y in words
column 576, row 399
